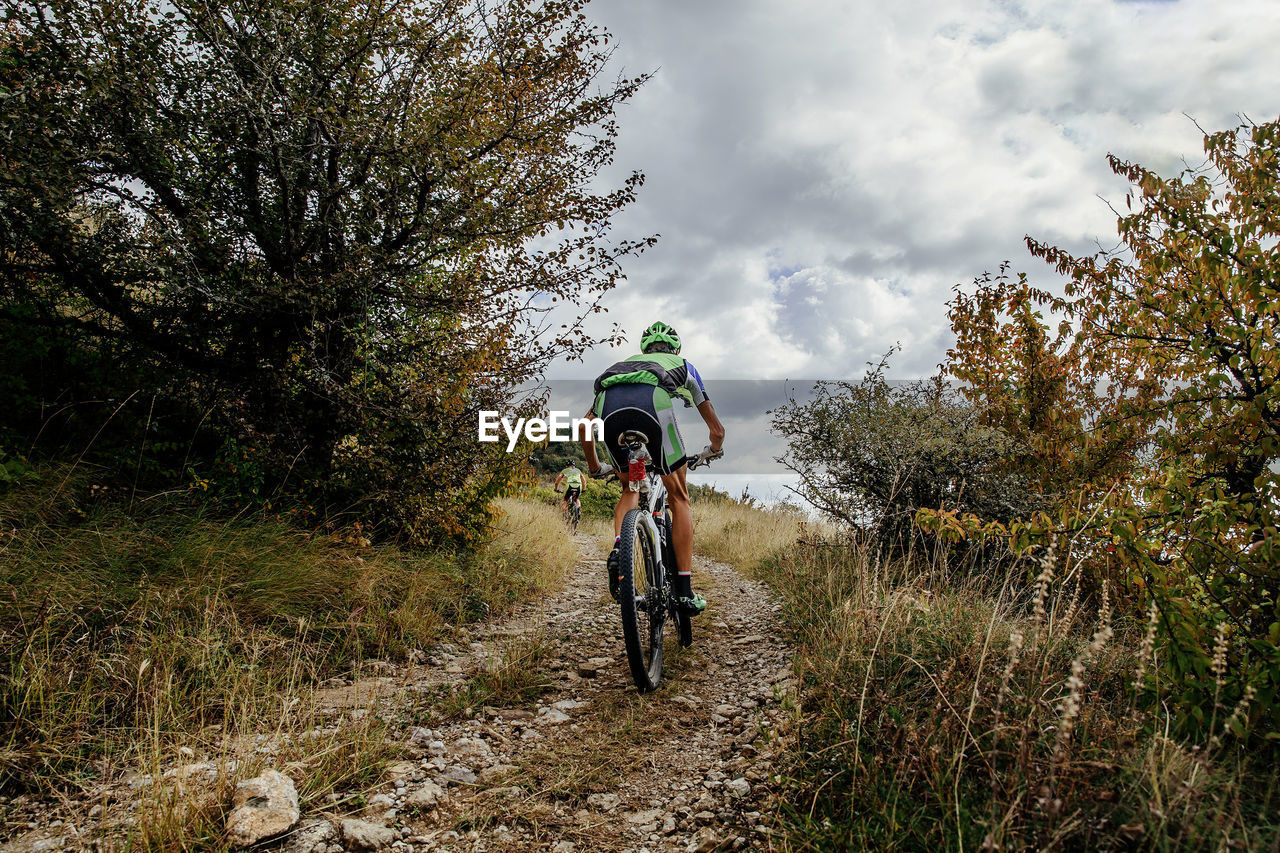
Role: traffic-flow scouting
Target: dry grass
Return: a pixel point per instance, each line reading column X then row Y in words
column 532, row 537
column 944, row 712
column 513, row 673
column 600, row 530
column 742, row 536
column 136, row 644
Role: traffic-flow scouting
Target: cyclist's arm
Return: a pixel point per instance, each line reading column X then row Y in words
column 559, row 480
column 715, row 429
column 589, row 444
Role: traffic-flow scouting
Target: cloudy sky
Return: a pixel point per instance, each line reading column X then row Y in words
column 822, row 173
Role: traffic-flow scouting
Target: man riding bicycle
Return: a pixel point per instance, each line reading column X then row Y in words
column 638, row 393
column 572, row 479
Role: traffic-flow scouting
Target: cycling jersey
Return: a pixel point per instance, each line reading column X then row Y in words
column 671, row 373
column 638, row 393
column 572, row 477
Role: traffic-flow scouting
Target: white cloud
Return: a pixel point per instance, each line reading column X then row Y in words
column 823, row 172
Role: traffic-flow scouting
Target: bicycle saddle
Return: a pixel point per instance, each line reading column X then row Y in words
column 633, row 438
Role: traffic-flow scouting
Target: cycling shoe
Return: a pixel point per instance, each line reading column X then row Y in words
column 612, row 566
column 692, row 606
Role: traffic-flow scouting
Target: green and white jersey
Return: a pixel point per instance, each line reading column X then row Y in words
column 673, row 374
column 572, row 477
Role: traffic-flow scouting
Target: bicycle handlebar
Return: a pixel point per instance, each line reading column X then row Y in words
column 703, row 458
column 698, row 461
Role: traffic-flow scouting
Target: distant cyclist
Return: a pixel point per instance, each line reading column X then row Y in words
column 572, row 479
column 639, row 393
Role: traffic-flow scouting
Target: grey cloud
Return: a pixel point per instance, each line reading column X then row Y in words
column 870, row 157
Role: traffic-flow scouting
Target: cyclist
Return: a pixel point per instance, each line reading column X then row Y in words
column 638, row 393
column 572, row 479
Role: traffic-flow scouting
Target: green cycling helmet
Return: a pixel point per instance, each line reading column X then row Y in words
column 660, row 333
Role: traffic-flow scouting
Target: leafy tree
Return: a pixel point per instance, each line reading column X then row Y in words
column 872, row 454
column 1161, row 457
column 1038, row 386
column 338, row 226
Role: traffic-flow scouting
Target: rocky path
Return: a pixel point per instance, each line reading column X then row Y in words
column 528, row 734
column 590, row 765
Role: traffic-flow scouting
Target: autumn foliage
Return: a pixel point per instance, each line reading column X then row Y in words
column 1147, row 397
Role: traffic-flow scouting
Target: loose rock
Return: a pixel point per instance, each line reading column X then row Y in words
column 604, row 802
column 262, row 807
column 311, row 836
column 364, row 836
column 424, row 796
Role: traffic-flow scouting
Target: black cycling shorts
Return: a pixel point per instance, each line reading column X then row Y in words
column 647, row 409
column 571, row 493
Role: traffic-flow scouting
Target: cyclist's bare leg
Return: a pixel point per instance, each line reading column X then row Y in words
column 681, row 519
column 630, row 500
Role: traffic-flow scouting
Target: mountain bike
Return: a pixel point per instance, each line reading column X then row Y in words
column 647, row 568
column 571, row 513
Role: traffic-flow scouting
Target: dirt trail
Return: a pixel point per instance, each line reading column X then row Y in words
column 586, row 764
column 591, row 765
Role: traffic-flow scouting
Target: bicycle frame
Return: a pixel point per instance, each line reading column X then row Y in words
column 652, row 493
column 652, row 496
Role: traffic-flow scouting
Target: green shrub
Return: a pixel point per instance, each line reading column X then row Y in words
column 872, row 454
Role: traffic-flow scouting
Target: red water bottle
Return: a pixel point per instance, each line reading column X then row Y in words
column 635, row 468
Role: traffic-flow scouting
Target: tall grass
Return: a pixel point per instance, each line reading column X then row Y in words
column 742, row 535
column 943, row 712
column 130, row 641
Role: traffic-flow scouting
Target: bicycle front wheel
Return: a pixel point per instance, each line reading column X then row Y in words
column 640, row 595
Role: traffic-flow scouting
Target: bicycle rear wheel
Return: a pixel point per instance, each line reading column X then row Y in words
column 640, row 595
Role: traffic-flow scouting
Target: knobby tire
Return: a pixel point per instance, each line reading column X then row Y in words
column 641, row 631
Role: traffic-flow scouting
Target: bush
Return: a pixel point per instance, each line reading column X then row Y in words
column 1149, row 421
column 872, row 455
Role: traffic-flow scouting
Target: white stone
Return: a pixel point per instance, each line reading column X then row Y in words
column 424, row 796
column 553, row 716
column 311, row 836
column 604, row 802
column 362, row 835
column 471, row 750
column 262, row 807
column 460, row 774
